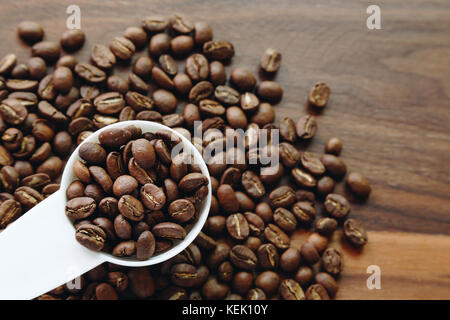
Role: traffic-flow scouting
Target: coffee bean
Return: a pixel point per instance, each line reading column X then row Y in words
column 103, row 57
column 92, row 152
column 143, row 153
column 326, row 226
column 253, row 185
column 304, row 211
column 122, row 227
column 327, row 282
column 12, row 111
column 184, row 275
column 124, row 184
column 152, row 197
column 291, row 290
column 91, row 236
column 155, row 23
column 332, row 261
column 181, row 210
column 168, row 64
column 80, row 208
column 309, row 253
column 89, row 73
column 269, row 91
column 30, row 31
column 264, row 115
column 227, row 198
column 138, row 101
column 159, row 44
column 131, row 208
column 319, row 94
column 47, row 50
column 182, row 83
column 285, row 219
column 125, row 249
column 271, row 60
column 334, row 165
column 303, row 179
column 337, row 206
column 306, row 127
column 136, row 35
column 218, row 50
column 68, row 61
column 268, row 281
column 333, row 146
column 72, row 39
column 10, row 210
column 290, row 260
column 317, row 292
column 242, row 257
column 311, row 163
column 200, row 91
column 197, row 67
column 276, row 236
column 255, row 223
column 21, row 85
column 122, row 48
column 145, row 246
column 288, row 129
column 180, row 24
column 304, row 276
column 256, row 294
column 143, row 67
column 358, row 184
column 283, row 196
column 355, row 232
column 289, row 154
column 217, row 73
column 237, row 226
column 169, row 230
column 268, row 256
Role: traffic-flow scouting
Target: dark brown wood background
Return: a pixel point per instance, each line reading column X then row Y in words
column 390, row 104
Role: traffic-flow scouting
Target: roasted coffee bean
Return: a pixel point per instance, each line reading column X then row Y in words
column 94, row 191
column 122, row 227
column 137, row 84
column 159, row 44
column 124, row 184
column 304, row 276
column 269, row 91
column 317, row 292
column 255, row 223
column 268, row 281
column 243, row 78
column 256, row 294
column 218, row 50
column 142, row 175
column 165, row 101
column 125, row 249
column 225, row 271
column 169, row 230
column 7, row 63
column 25, row 150
column 217, row 73
column 155, row 23
column 168, row 64
column 276, row 236
column 131, row 208
column 109, row 103
column 200, row 91
column 211, row 108
column 337, row 206
column 103, row 57
column 153, row 197
column 136, row 35
column 306, row 127
column 332, row 261
column 30, row 31
column 127, row 114
column 304, row 211
column 51, row 113
column 311, row 163
column 214, row 290
column 53, row 166
column 283, row 196
column 181, row 210
column 28, row 197
column 288, row 130
column 89, row 73
column 89, row 92
column 12, row 138
column 21, row 85
column 42, row 153
column 122, row 48
column 144, row 153
column 253, row 185
column 237, row 226
column 80, row 208
column 10, row 210
column 328, row 282
column 62, row 143
column 358, row 184
column 72, row 39
column 309, row 253
column 182, row 83
column 333, row 146
column 334, row 165
column 291, row 290
column 197, row 67
column 192, row 181
column 326, row 226
column 47, row 50
column 91, row 236
column 220, row 253
column 92, row 152
column 75, row 190
column 355, row 232
column 138, row 101
column 108, row 207
column 319, row 94
column 20, row 71
column 23, row 168
column 289, row 154
column 268, row 256
column 227, row 198
column 12, row 111
column 36, row 181
column 264, row 115
column 242, row 257
column 145, row 246
column 325, row 185
column 184, row 275
column 68, row 61
column 303, row 179
column 118, row 280
column 285, row 219
column 227, row 95
column 271, row 60
column 80, row 108
column 27, row 99
column 143, row 67
column 290, row 260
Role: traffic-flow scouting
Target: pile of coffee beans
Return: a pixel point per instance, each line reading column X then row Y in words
column 110, row 211
column 245, row 249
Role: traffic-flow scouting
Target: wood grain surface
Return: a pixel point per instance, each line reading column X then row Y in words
column 390, row 104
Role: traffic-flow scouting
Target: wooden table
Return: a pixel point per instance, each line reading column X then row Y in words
column 390, row 104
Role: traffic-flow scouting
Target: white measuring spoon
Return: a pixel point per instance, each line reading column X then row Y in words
column 39, row 251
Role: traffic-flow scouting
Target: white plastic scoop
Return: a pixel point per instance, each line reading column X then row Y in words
column 39, row 251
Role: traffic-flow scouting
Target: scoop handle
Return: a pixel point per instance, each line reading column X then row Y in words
column 39, row 252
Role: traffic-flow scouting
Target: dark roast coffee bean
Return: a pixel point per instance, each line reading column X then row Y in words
column 184, row 275
column 155, row 23
column 303, row 179
column 317, row 292
column 306, row 127
column 227, row 199
column 332, row 261
column 80, row 208
column 200, row 91
column 289, row 154
column 10, row 210
column 268, row 256
column 271, row 60
column 290, row 260
column 12, row 111
column 358, row 184
column 218, row 50
column 92, row 152
column 28, row 197
column 355, row 232
column 122, row 48
column 182, row 83
column 192, row 181
column 237, row 226
column 333, row 146
column 304, row 211
column 30, row 31
column 124, row 184
column 89, row 73
column 145, row 246
column 326, row 226
column 285, row 219
column 144, row 153
column 291, row 290
column 72, row 39
column 253, row 185
column 309, row 253
column 283, row 196
column 264, row 115
column 103, row 57
column 181, row 210
column 204, row 241
column 337, row 206
column 138, row 101
column 153, row 197
column 91, row 236
column 255, row 223
column 319, row 94
column 242, row 257
column 276, row 236
column 131, row 208
column 169, row 230
column 36, row 181
column 47, row 50
column 311, row 163
column 125, row 249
